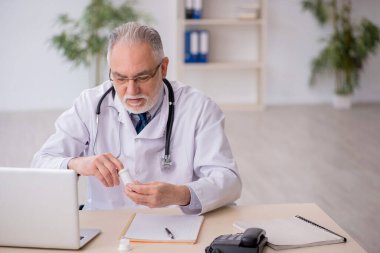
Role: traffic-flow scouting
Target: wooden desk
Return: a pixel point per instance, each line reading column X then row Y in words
column 216, row 222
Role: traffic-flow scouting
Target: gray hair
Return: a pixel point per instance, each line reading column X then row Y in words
column 133, row 32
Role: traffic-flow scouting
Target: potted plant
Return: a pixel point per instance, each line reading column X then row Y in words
column 85, row 40
column 346, row 49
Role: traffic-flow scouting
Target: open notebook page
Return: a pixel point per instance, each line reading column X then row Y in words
column 151, row 228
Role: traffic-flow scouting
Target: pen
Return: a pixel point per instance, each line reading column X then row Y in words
column 170, row 234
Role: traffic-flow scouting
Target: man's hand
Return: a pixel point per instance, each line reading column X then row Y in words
column 104, row 167
column 158, row 194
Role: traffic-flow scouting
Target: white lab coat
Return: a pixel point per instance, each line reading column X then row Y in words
column 199, row 148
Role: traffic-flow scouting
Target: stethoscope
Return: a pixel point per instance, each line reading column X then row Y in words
column 166, row 161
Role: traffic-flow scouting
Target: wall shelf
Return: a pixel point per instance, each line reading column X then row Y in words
column 222, row 65
column 236, row 54
column 221, row 21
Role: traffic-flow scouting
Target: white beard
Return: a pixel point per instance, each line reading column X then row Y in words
column 149, row 103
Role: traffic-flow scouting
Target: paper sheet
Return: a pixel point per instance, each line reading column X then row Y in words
column 151, row 228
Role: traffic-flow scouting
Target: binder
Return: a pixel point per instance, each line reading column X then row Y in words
column 193, row 9
column 203, row 46
column 189, row 9
column 191, row 46
column 197, row 9
column 188, row 56
column 196, row 46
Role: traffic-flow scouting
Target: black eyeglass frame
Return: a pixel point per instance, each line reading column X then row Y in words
column 137, row 79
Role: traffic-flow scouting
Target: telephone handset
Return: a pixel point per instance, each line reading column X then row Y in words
column 252, row 240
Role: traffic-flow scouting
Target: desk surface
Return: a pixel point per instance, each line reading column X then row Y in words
column 216, row 222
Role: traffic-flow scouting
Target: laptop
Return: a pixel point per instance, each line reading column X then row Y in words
column 39, row 209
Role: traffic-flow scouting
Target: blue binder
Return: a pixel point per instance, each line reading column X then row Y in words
column 191, row 46
column 187, row 52
column 197, row 9
column 196, row 46
column 203, row 46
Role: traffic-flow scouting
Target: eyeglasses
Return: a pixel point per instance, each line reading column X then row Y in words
column 120, row 80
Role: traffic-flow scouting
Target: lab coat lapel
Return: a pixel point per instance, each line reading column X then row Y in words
column 157, row 126
column 123, row 115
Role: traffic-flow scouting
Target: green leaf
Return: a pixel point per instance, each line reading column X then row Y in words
column 318, row 9
column 347, row 48
column 87, row 37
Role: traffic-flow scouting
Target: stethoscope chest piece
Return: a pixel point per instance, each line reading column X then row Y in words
column 166, row 162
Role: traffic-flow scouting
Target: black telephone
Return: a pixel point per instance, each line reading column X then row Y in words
column 252, row 240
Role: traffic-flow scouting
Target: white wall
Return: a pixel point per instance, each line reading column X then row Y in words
column 293, row 40
column 35, row 77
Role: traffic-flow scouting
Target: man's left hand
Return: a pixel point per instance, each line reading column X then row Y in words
column 158, row 194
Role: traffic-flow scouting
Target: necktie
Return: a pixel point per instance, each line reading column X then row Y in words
column 142, row 122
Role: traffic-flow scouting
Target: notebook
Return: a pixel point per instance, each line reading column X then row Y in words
column 39, row 209
column 158, row 228
column 292, row 232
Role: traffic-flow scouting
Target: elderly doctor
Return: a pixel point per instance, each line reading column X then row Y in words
column 130, row 128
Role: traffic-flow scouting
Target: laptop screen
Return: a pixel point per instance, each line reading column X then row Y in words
column 39, row 208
